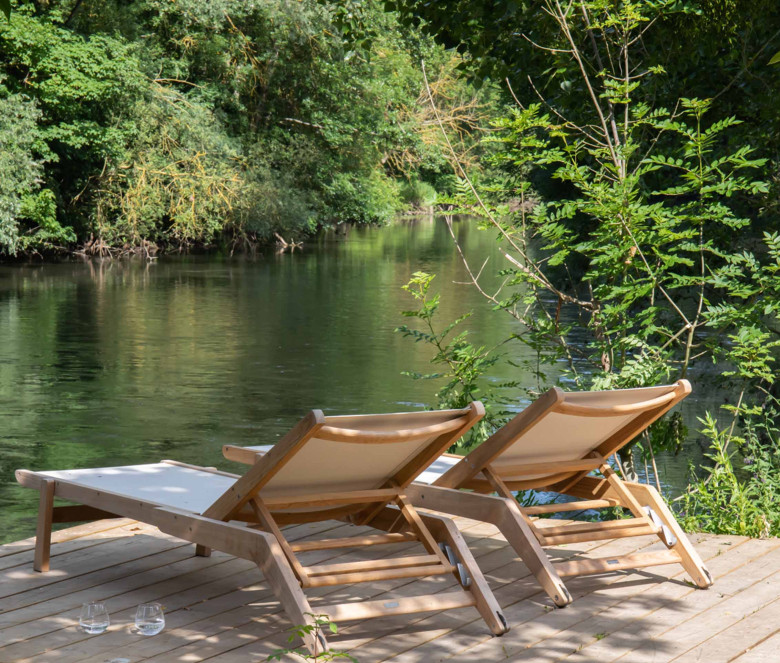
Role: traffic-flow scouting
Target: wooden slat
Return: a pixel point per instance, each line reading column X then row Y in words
column 315, row 516
column 552, row 467
column 748, row 636
column 24, row 558
column 418, row 527
column 764, row 652
column 373, row 565
column 737, row 565
column 376, row 576
column 483, row 485
column 265, row 518
column 613, row 410
column 596, row 526
column 563, row 507
column 602, row 535
column 351, row 435
column 241, row 454
column 348, row 542
column 606, row 564
column 398, row 606
column 331, row 499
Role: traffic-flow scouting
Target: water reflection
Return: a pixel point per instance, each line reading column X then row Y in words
column 128, row 362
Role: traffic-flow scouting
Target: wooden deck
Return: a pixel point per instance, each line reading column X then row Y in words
column 218, row 609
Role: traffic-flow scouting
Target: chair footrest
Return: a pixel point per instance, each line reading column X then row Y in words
column 593, row 534
column 400, row 606
column 605, row 564
column 348, row 578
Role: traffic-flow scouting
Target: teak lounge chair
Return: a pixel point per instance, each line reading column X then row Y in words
column 324, row 468
column 554, row 445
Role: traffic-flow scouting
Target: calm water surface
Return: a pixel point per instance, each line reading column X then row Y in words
column 133, row 362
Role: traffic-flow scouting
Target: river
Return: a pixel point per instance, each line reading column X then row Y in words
column 120, row 362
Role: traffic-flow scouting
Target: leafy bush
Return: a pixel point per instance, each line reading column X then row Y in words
column 744, row 501
column 180, row 122
column 418, row 194
column 634, row 262
column 20, row 169
column 179, row 181
column 42, row 229
column 360, row 198
column 464, row 365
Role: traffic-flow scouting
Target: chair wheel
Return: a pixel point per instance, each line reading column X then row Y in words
column 465, row 578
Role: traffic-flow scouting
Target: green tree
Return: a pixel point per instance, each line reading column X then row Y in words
column 641, row 236
column 20, row 169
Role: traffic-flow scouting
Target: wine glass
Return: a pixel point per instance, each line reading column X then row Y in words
column 94, row 618
column 149, row 618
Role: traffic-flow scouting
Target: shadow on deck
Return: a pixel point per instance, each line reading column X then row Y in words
column 218, row 609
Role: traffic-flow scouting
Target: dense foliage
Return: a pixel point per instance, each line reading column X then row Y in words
column 184, row 123
column 641, row 213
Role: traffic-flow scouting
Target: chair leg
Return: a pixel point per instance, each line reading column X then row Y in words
column 261, row 548
column 504, row 514
column 272, row 562
column 692, row 563
column 519, row 535
column 43, row 528
column 445, row 531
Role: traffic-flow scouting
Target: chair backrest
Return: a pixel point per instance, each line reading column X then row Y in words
column 549, row 439
column 349, row 453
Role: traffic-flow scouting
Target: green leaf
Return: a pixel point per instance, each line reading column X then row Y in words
column 5, row 7
column 775, row 58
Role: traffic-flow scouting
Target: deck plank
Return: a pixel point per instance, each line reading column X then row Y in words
column 765, row 652
column 605, row 610
column 648, row 637
column 191, row 588
column 520, row 613
column 63, row 535
column 228, row 610
column 742, row 636
column 737, row 602
column 254, row 637
column 219, row 609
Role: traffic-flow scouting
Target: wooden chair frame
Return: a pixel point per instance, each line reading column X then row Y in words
column 466, row 490
column 244, row 523
column 650, row 515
